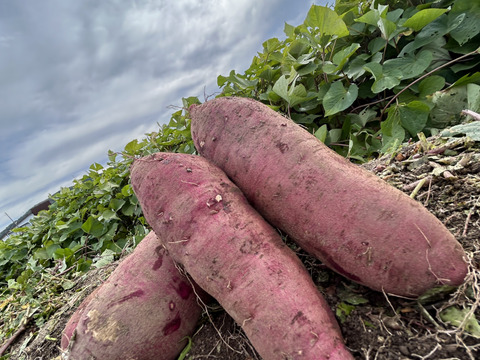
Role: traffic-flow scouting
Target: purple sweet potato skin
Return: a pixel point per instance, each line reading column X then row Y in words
column 142, row 311
column 232, row 253
column 353, row 221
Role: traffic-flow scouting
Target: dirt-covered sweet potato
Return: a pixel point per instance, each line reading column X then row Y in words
column 353, row 221
column 143, row 311
column 231, row 252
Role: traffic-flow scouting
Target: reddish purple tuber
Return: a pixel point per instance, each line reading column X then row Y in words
column 353, row 221
column 232, row 253
column 143, row 311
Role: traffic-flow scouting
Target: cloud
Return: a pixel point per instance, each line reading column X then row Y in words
column 80, row 78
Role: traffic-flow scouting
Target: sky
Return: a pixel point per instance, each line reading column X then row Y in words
column 79, row 78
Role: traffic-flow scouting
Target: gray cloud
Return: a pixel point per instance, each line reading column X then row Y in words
column 79, row 78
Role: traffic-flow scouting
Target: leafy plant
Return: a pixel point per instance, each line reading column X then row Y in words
column 88, row 224
column 367, row 75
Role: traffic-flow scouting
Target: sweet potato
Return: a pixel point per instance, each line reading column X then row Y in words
column 142, row 311
column 353, row 221
column 232, row 253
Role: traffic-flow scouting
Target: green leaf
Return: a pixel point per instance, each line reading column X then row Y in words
column 433, row 31
column 63, row 253
column 68, row 284
column 96, row 166
column 471, row 130
column 473, row 97
column 375, row 69
column 133, row 147
column 361, row 119
column 321, row 133
column 289, row 30
column 371, row 17
column 435, row 294
column 106, row 258
column 240, row 81
column 293, row 96
column 376, row 45
column 41, row 254
column 355, row 68
column 127, row 190
column 387, row 28
column 302, row 118
column 394, row 15
column 465, row 66
column 128, row 210
column 326, row 21
column 430, row 85
column 467, row 79
column 383, row 81
column 108, row 215
column 470, row 26
column 93, row 227
column 12, row 284
column 380, row 19
column 414, row 116
column 297, row 94
column 422, row 18
column 338, row 98
column 19, row 254
column 188, row 101
column 448, row 106
column 271, row 44
column 457, row 317
column 348, row 296
column 392, row 131
column 307, row 69
column 408, row 66
column 341, row 57
column 116, row 204
column 334, row 135
column 343, row 310
column 329, row 68
column 281, row 87
column 51, row 248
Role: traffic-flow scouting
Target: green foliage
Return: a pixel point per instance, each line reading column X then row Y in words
column 368, row 75
column 89, row 224
column 461, row 318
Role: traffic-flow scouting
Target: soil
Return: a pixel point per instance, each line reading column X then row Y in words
column 375, row 326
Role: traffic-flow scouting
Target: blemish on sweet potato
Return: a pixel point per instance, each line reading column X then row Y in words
column 173, row 325
column 334, row 266
column 136, row 293
column 283, row 147
column 183, row 289
column 298, row 315
column 102, row 329
column 158, row 263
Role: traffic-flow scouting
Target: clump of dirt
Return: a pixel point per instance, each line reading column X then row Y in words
column 444, row 175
